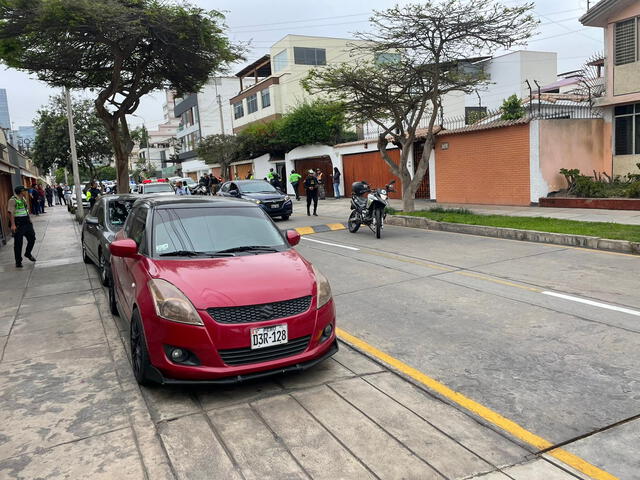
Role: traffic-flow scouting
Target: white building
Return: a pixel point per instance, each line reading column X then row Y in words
column 207, row 112
column 508, row 74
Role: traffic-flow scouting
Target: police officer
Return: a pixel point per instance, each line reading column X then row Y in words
column 294, row 180
column 311, row 189
column 21, row 225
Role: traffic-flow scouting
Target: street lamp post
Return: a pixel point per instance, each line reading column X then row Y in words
column 74, row 157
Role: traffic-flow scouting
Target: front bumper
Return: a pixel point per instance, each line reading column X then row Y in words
column 285, row 209
column 155, row 374
column 208, row 343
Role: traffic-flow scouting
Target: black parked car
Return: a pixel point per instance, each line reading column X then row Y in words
column 273, row 201
column 99, row 228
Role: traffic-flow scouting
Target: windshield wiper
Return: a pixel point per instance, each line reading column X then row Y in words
column 249, row 248
column 191, row 253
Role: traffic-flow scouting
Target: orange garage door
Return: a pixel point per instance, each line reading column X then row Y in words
column 371, row 167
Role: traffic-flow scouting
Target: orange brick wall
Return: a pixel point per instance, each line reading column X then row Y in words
column 486, row 166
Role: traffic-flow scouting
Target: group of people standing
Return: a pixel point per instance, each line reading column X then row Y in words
column 210, row 182
column 314, row 187
column 41, row 197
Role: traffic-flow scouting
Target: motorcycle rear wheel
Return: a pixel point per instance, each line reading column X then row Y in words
column 354, row 222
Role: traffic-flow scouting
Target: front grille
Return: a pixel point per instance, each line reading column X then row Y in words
column 243, row 356
column 262, row 312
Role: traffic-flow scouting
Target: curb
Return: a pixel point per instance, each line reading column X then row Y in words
column 327, row 227
column 595, row 243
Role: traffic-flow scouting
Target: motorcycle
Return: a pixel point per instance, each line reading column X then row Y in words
column 199, row 190
column 369, row 211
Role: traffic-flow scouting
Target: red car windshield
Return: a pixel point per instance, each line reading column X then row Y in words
column 213, row 229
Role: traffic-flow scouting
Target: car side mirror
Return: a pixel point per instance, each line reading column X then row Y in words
column 293, row 237
column 234, row 193
column 91, row 220
column 125, row 248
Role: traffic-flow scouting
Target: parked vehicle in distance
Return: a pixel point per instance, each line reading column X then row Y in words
column 271, row 200
column 215, row 293
column 369, row 211
column 155, row 188
column 99, row 229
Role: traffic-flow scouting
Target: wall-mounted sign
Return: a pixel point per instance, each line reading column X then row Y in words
column 444, row 146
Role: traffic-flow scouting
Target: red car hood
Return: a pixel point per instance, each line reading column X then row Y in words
column 242, row 280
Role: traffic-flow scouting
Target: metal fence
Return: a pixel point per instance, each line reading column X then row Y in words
column 538, row 108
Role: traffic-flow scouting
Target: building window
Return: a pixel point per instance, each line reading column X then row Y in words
column 280, row 61
column 190, row 142
column 626, row 44
column 252, row 103
column 266, row 98
column 309, row 56
column 238, row 110
column 627, row 129
column 189, row 118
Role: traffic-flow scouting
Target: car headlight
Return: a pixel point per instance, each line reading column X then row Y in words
column 324, row 289
column 171, row 304
column 287, row 198
column 256, row 201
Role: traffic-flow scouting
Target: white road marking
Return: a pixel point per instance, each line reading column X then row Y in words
column 332, row 244
column 593, row 304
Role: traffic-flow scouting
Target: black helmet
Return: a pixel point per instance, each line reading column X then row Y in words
column 359, row 187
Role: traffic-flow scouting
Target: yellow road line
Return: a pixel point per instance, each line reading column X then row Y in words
column 486, row 413
column 495, row 280
column 305, row 230
column 336, row 226
column 409, row 260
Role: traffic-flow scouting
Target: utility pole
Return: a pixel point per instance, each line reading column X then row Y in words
column 221, row 115
column 74, row 158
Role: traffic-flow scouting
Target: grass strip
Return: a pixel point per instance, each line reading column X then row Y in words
column 613, row 231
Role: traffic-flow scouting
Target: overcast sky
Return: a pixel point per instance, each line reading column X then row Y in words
column 263, row 23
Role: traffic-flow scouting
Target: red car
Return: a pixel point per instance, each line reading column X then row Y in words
column 216, row 294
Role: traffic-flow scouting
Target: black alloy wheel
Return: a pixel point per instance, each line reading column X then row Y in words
column 139, row 353
column 102, row 267
column 113, row 306
column 85, row 257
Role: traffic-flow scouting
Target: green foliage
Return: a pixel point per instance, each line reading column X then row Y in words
column 512, row 108
column 141, row 136
column 106, row 173
column 476, row 116
column 119, row 49
column 462, row 211
column 614, row 231
column 59, row 175
column 602, row 186
column 219, row 149
column 51, row 148
column 318, row 122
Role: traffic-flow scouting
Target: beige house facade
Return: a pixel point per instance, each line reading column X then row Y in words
column 620, row 20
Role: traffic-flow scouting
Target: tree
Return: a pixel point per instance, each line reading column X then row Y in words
column 512, row 108
column 106, row 172
column 51, row 147
column 140, row 135
column 120, row 49
column 220, row 150
column 414, row 56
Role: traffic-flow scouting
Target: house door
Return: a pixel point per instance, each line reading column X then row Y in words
column 324, row 164
column 243, row 170
column 371, row 167
column 423, row 188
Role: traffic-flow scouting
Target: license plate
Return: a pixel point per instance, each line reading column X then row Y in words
column 275, row 205
column 269, row 336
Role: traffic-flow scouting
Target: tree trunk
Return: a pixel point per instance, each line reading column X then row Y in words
column 122, row 146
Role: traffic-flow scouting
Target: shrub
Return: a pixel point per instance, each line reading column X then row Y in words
column 512, row 108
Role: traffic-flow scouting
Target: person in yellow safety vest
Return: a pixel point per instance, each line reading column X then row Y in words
column 21, row 225
column 294, row 180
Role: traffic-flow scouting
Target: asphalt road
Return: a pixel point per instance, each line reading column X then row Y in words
column 545, row 335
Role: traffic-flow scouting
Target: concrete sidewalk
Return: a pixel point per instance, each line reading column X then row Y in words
column 70, row 408
column 340, row 209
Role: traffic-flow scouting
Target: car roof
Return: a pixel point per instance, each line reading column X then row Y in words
column 119, row 196
column 156, row 201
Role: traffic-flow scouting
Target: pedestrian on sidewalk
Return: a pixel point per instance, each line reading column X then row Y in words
column 67, row 195
column 21, row 225
column 336, row 183
column 320, row 177
column 48, row 191
column 60, row 195
column 41, row 197
column 311, row 189
column 214, row 183
column 294, row 180
column 93, row 194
